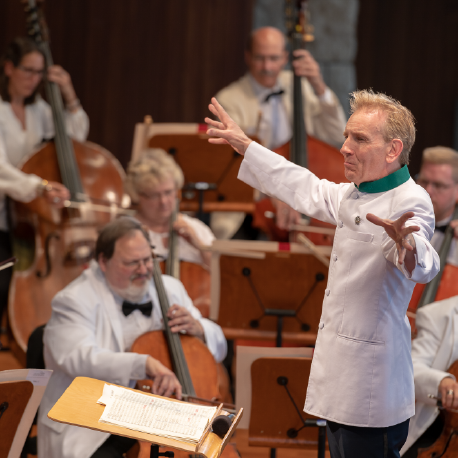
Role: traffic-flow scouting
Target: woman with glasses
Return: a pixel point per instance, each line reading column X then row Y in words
column 153, row 183
column 25, row 121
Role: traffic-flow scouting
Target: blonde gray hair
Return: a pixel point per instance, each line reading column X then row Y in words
column 399, row 124
column 442, row 155
column 153, row 167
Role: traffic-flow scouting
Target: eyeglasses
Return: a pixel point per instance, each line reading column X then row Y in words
column 157, row 195
column 31, row 71
column 437, row 186
column 135, row 265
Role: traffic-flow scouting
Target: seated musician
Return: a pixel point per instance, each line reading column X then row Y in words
column 25, row 121
column 433, row 350
column 261, row 104
column 153, row 183
column 439, row 176
column 94, row 322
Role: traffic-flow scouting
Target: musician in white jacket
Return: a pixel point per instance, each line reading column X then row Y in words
column 94, row 322
column 361, row 379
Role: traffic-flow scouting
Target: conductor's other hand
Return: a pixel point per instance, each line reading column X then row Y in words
column 226, row 131
column 400, row 233
column 56, row 194
column 165, row 382
column 287, row 217
column 448, row 391
column 305, row 65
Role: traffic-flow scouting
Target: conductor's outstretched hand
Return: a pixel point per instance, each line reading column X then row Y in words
column 226, row 131
column 400, row 233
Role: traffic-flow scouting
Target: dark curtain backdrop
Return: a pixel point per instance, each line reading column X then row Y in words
column 408, row 49
column 130, row 58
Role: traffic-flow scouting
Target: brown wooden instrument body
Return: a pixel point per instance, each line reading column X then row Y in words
column 201, row 364
column 446, row 446
column 326, row 162
column 67, row 236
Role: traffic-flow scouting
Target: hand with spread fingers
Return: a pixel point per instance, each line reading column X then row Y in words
column 401, row 234
column 226, row 130
column 181, row 320
column 62, row 78
column 448, row 392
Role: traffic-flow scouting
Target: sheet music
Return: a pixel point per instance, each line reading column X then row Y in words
column 154, row 415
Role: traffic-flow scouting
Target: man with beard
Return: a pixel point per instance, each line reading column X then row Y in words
column 94, row 322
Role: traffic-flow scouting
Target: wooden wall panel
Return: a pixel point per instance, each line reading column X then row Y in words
column 407, row 49
column 135, row 57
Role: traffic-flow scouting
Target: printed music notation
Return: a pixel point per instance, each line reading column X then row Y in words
column 154, row 415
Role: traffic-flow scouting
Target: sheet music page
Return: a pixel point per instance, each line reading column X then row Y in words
column 153, row 415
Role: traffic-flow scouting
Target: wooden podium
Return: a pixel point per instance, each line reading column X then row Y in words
column 78, row 406
column 201, row 162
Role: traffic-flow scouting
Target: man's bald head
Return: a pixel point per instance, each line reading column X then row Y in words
column 266, row 35
column 266, row 55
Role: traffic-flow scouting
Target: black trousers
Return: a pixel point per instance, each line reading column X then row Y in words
column 114, row 447
column 357, row 442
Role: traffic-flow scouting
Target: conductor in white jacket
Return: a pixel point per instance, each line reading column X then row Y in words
column 361, row 379
column 94, row 322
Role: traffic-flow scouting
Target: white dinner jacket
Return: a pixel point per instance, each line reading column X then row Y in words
column 84, row 337
column 432, row 355
column 361, row 371
column 322, row 120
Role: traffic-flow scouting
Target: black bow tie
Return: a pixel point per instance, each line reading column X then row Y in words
column 441, row 228
column 129, row 307
column 274, row 94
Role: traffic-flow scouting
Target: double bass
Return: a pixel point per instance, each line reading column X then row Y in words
column 322, row 159
column 54, row 246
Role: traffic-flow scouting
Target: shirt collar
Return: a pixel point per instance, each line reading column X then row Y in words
column 261, row 91
column 391, row 181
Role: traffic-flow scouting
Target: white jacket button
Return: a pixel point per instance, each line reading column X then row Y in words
column 328, row 291
column 321, row 326
column 340, row 224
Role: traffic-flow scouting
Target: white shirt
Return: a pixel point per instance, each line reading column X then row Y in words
column 17, row 144
column 274, row 124
column 186, row 251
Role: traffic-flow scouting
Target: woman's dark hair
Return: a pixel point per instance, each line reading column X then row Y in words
column 14, row 53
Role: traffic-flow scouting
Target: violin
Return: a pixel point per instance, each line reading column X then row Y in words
column 322, row 159
column 54, row 246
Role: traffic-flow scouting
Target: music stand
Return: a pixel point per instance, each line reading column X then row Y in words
column 280, row 422
column 78, row 406
column 266, row 290
column 213, row 168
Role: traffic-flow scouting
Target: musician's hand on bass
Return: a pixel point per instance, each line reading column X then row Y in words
column 165, row 382
column 181, row 320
